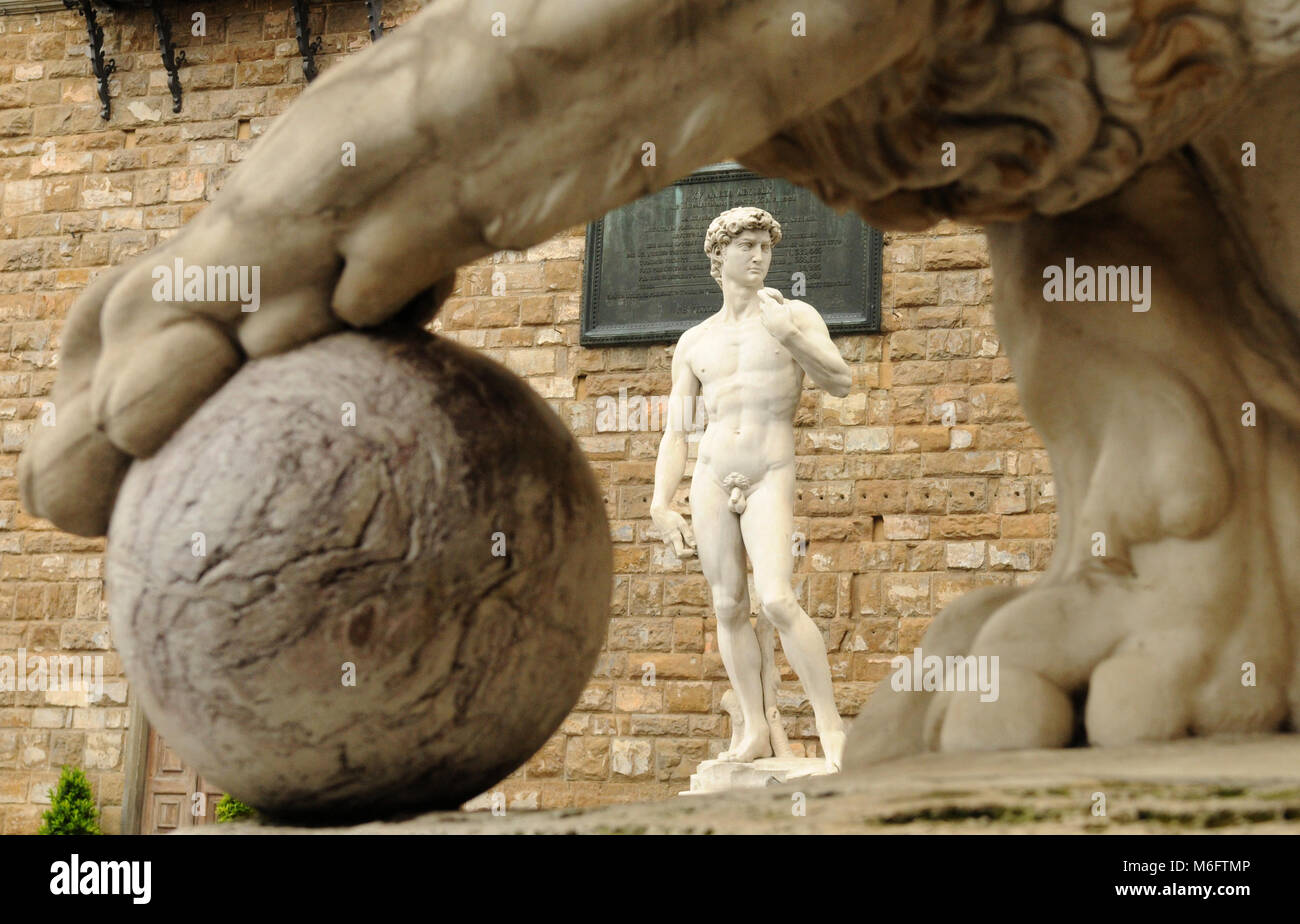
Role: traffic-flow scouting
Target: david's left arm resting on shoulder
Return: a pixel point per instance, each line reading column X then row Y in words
column 811, row 345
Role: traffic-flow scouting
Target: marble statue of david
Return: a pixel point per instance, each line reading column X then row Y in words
column 748, row 361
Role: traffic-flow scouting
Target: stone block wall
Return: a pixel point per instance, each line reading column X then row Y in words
column 923, row 483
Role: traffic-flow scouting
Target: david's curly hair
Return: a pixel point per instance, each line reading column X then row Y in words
column 731, row 224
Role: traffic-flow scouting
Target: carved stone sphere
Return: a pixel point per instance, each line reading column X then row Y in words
column 369, row 576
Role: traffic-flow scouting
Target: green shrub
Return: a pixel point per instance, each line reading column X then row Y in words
column 72, row 808
column 231, row 809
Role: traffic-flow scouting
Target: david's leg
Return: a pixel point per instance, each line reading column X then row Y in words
column 722, row 557
column 767, row 524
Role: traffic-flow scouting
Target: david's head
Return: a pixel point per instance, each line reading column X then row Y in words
column 739, row 243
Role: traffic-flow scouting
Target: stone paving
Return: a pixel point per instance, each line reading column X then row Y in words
column 1195, row 786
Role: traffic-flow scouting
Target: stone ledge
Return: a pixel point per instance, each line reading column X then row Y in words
column 1220, row 785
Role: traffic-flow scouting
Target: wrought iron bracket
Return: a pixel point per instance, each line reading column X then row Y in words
column 171, row 61
column 102, row 68
column 375, row 9
column 307, row 46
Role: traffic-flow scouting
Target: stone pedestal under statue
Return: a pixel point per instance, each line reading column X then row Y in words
column 724, row 775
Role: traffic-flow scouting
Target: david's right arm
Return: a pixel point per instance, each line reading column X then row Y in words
column 671, row 463
column 672, row 448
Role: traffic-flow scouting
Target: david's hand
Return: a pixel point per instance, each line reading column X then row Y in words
column 675, row 531
column 776, row 314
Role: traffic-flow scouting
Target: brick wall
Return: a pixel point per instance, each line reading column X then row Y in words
column 901, row 512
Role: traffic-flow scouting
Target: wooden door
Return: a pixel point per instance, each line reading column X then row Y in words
column 169, row 789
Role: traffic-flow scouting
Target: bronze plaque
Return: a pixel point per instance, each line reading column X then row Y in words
column 647, row 276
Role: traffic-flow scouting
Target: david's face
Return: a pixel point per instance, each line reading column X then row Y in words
column 745, row 260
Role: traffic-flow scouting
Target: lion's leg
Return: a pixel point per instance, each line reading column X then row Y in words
column 1167, row 609
column 476, row 126
column 896, row 723
column 1168, row 491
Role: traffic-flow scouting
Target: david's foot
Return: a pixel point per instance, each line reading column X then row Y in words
column 751, row 747
column 833, row 747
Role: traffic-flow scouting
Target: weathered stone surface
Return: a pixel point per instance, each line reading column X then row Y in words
column 464, row 581
column 1225, row 786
